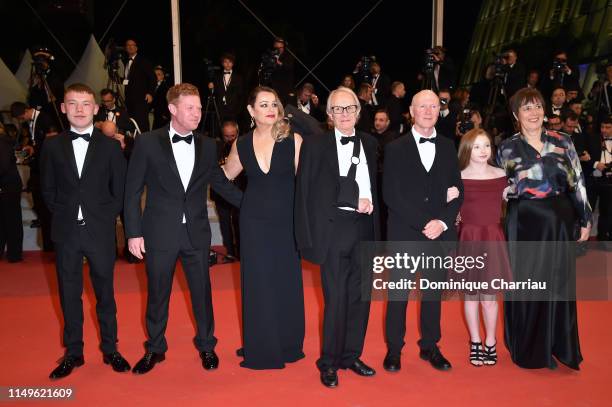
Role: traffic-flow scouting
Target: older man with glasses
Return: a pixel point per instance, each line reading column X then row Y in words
column 336, row 209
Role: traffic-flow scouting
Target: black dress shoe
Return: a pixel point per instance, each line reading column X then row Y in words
column 210, row 361
column 392, row 363
column 329, row 378
column 148, row 361
column 118, row 363
column 361, row 368
column 66, row 366
column 435, row 358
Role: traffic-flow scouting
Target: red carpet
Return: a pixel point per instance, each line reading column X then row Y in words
column 30, row 345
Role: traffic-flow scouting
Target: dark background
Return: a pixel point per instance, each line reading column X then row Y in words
column 396, row 32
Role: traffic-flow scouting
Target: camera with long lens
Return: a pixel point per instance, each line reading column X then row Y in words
column 466, row 123
column 211, row 69
column 362, row 70
column 501, row 67
column 114, row 54
column 41, row 60
column 267, row 65
column 429, row 62
column 559, row 65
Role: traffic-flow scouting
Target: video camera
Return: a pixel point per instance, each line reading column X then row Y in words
column 113, row 54
column 41, row 59
column 362, row 69
column 501, row 67
column 430, row 60
column 559, row 65
column 466, row 124
column 210, row 69
column 267, row 65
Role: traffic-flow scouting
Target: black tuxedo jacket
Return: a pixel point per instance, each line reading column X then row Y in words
column 153, row 165
column 316, row 193
column 141, row 81
column 515, row 79
column 10, row 181
column 43, row 124
column 233, row 95
column 99, row 190
column 415, row 196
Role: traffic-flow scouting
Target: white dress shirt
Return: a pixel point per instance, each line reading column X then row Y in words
column 362, row 175
column 427, row 151
column 374, row 89
column 184, row 155
column 32, row 126
column 80, row 151
column 304, row 107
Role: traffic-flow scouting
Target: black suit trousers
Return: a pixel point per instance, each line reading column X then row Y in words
column 346, row 313
column 160, row 271
column 429, row 319
column 11, row 225
column 69, row 264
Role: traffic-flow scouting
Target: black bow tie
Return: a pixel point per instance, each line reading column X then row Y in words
column 345, row 140
column 425, row 140
column 227, row 72
column 75, row 136
column 187, row 139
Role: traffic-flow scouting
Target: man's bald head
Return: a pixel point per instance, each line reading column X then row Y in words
column 425, row 109
column 423, row 94
column 108, row 128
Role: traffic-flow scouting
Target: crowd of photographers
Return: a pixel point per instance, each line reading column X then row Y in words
column 135, row 101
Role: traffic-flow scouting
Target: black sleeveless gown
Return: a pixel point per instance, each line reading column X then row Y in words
column 270, row 268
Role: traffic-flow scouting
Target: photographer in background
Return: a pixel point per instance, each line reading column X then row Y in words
column 562, row 74
column 227, row 87
column 467, row 120
column 109, row 110
column 45, row 87
column 447, row 122
column 515, row 73
column 602, row 180
column 444, row 71
column 161, row 114
column 381, row 85
column 139, row 81
column 309, row 103
column 282, row 76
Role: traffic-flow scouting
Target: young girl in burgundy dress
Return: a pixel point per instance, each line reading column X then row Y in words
column 480, row 216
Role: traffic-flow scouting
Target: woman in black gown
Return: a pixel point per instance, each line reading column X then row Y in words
column 270, row 269
column 547, row 196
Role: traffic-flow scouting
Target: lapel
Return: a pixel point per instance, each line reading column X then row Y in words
column 332, row 151
column 164, row 141
column 91, row 148
column 197, row 144
column 371, row 158
column 69, row 152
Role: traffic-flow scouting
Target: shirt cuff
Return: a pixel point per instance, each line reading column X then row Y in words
column 443, row 225
column 595, row 165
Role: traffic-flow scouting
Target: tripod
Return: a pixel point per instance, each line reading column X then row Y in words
column 37, row 76
column 496, row 96
column 114, row 82
column 429, row 81
column 214, row 122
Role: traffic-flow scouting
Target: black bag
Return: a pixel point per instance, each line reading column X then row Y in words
column 348, row 189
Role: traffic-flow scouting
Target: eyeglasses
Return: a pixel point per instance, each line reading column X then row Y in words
column 347, row 109
column 529, row 108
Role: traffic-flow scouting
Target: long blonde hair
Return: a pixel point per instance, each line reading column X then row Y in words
column 281, row 128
